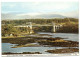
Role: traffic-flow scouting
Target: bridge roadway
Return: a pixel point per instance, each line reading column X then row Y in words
column 32, row 25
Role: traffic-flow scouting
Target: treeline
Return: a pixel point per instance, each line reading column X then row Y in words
column 66, row 28
column 69, row 28
column 39, row 21
column 8, row 30
column 43, row 29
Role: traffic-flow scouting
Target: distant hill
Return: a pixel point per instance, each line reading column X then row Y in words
column 17, row 16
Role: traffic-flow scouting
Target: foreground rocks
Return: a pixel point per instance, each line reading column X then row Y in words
column 59, row 42
column 42, row 41
column 27, row 45
column 39, row 41
column 23, row 53
column 66, row 50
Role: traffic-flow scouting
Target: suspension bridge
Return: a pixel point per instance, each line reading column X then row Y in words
column 30, row 26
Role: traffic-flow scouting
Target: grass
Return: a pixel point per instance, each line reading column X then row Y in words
column 12, row 37
column 27, row 45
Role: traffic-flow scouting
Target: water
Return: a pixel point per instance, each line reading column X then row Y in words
column 69, row 36
column 6, row 47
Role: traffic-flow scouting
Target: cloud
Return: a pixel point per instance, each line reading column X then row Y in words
column 13, row 5
column 31, row 7
column 31, row 14
column 22, row 10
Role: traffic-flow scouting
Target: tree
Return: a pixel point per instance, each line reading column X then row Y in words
column 8, row 29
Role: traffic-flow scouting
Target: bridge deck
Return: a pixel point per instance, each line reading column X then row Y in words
column 33, row 25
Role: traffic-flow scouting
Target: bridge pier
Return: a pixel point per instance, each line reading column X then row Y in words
column 54, row 27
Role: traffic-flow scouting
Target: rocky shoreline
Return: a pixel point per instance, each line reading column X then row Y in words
column 56, row 51
column 42, row 41
column 66, row 50
column 22, row 53
column 39, row 41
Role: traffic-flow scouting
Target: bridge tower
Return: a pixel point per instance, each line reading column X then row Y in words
column 54, row 27
column 30, row 28
column 30, row 25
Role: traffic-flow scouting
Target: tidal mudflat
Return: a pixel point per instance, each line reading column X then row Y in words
column 36, row 41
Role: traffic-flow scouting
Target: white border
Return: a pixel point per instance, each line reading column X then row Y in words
column 36, row 1
column 0, row 31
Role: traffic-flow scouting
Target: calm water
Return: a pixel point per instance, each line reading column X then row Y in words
column 6, row 47
column 69, row 36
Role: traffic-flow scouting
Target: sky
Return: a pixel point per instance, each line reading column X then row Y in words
column 18, row 10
